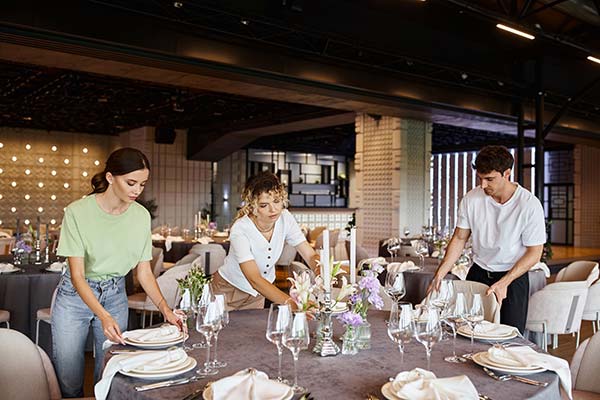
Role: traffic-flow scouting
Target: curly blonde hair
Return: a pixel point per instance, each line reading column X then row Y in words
column 263, row 182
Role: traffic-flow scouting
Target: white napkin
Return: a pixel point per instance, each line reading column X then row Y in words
column 147, row 361
column 205, row 240
column 460, row 271
column 402, row 267
column 161, row 334
column 169, row 241
column 249, row 384
column 157, row 236
column 543, row 267
column 486, row 328
column 6, row 267
column 58, row 266
column 525, row 356
column 420, row 384
column 371, row 261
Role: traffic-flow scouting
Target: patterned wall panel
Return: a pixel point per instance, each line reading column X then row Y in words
column 587, row 195
column 51, row 169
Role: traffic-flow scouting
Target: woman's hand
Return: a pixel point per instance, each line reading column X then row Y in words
column 174, row 319
column 182, row 319
column 111, row 330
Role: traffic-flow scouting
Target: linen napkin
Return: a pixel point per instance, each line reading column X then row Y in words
column 543, row 267
column 157, row 236
column 169, row 241
column 147, row 361
column 371, row 261
column 525, row 356
column 249, row 384
column 486, row 328
column 460, row 271
column 420, row 384
column 403, row 266
column 58, row 266
column 6, row 267
column 163, row 333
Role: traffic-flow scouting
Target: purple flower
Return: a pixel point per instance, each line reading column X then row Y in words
column 370, row 283
column 355, row 298
column 350, row 318
column 376, row 300
column 22, row 245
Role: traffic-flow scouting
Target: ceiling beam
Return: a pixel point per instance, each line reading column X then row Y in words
column 542, row 8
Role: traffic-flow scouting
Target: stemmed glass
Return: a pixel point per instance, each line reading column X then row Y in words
column 401, row 326
column 185, row 312
column 422, row 249
column 452, row 317
column 296, row 337
column 394, row 286
column 473, row 317
column 223, row 322
column 207, row 321
column 428, row 330
column 406, row 231
column 393, row 245
column 206, row 298
column 279, row 318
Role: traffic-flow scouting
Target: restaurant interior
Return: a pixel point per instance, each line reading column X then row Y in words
column 371, row 114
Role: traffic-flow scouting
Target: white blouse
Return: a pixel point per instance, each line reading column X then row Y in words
column 247, row 243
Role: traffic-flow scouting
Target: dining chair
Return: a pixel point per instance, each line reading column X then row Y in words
column 5, row 318
column 213, row 256
column 591, row 312
column 584, row 369
column 26, row 372
column 491, row 307
column 45, row 315
column 6, row 245
column 169, row 287
column 579, row 271
column 157, row 262
column 557, row 309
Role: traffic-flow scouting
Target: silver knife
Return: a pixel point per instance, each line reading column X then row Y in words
column 163, row 384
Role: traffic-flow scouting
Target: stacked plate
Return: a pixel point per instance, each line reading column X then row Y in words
column 172, row 369
column 498, row 332
column 8, row 268
column 485, row 360
column 388, row 392
column 157, row 343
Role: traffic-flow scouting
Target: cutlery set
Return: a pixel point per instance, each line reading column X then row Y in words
column 508, row 377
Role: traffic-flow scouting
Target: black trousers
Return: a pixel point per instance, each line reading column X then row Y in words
column 514, row 307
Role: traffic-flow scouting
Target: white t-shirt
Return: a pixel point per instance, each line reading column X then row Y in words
column 500, row 232
column 247, row 243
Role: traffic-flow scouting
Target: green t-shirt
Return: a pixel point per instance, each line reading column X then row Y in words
column 111, row 245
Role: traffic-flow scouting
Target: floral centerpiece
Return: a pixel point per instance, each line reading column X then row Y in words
column 22, row 247
column 194, row 282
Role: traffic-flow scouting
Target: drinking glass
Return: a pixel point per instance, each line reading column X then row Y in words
column 473, row 317
column 223, row 322
column 428, row 330
column 406, row 231
column 296, row 337
column 205, row 298
column 393, row 245
column 422, row 249
column 394, row 286
column 207, row 322
column 401, row 326
column 186, row 314
column 453, row 317
column 279, row 318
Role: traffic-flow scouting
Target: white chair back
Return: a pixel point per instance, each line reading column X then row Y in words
column 6, row 245
column 167, row 283
column 591, row 312
column 579, row 271
column 213, row 256
column 287, row 255
column 491, row 307
column 187, row 259
column 157, row 262
column 585, row 366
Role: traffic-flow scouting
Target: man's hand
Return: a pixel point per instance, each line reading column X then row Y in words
column 499, row 289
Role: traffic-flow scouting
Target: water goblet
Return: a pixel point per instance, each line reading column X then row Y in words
column 296, row 337
column 279, row 318
column 206, row 297
column 401, row 326
column 186, row 315
column 473, row 317
column 428, row 330
column 223, row 322
column 395, row 286
column 422, row 249
column 393, row 245
column 207, row 322
column 453, row 317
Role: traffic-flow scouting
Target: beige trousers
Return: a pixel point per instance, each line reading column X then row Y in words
column 235, row 298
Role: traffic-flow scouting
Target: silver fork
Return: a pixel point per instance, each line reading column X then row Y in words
column 507, row 377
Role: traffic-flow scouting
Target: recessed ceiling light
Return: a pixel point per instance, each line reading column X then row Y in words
column 13, row 209
column 40, row 184
column 41, row 160
column 53, row 197
column 84, row 173
column 594, row 59
column 53, row 173
column 53, row 221
column 53, row 148
column 27, row 197
column 67, row 161
column 96, row 162
column 14, row 158
column 515, row 31
column 27, row 172
column 27, row 146
column 41, row 209
column 1, row 170
column 13, row 184
column 26, row 222
column 66, row 185
column 177, row 4
column 85, row 150
column 1, row 145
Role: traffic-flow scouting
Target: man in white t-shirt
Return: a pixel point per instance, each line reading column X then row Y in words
column 508, row 233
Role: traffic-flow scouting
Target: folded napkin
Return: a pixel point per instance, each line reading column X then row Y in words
column 58, row 266
column 543, row 267
column 147, row 361
column 371, row 261
column 169, row 241
column 205, row 240
column 161, row 334
column 6, row 267
column 420, row 384
column 525, row 356
column 249, row 384
column 460, row 271
column 486, row 328
column 157, row 236
column 401, row 267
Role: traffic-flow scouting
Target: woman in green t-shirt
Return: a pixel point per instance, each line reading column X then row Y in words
column 104, row 236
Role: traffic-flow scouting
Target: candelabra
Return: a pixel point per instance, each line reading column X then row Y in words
column 325, row 345
column 38, row 252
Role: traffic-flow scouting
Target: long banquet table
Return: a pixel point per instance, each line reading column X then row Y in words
column 181, row 249
column 242, row 344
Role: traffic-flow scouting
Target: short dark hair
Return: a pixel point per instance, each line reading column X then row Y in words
column 493, row 158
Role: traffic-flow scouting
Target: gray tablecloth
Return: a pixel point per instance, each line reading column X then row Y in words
column 23, row 293
column 242, row 344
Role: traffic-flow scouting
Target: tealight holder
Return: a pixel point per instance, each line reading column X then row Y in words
column 325, row 345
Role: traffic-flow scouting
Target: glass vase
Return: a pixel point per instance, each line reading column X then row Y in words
column 363, row 336
column 350, row 341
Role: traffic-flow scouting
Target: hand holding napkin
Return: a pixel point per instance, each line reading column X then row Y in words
column 6, row 267
column 402, row 267
column 525, row 356
column 147, row 361
column 249, row 384
column 420, row 384
column 163, row 333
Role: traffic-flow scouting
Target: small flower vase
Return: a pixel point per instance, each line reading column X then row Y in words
column 350, row 341
column 17, row 256
column 363, row 336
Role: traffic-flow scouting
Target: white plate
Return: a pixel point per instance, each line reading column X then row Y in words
column 208, row 395
column 153, row 345
column 15, row 269
column 188, row 366
column 481, row 359
column 156, row 341
column 388, row 392
column 53, row 270
column 173, row 366
column 461, row 331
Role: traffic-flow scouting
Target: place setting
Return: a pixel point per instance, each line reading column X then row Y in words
column 8, row 268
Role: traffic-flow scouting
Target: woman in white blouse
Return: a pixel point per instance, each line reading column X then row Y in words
column 257, row 237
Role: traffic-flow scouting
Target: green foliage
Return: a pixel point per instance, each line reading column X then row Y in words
column 194, row 281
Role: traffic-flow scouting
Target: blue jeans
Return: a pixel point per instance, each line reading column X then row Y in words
column 71, row 319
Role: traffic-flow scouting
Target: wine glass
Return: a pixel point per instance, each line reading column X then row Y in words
column 186, row 315
column 296, row 337
column 223, row 322
column 428, row 330
column 393, row 245
column 205, row 298
column 207, row 321
column 422, row 249
column 473, row 317
column 406, row 231
column 394, row 286
column 401, row 326
column 452, row 317
column 442, row 297
column 279, row 318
